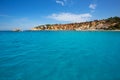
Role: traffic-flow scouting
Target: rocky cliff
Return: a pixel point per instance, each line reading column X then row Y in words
column 112, row 23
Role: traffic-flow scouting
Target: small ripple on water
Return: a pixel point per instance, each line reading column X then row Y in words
column 60, row 56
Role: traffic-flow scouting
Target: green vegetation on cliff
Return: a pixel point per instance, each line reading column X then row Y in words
column 115, row 21
column 112, row 23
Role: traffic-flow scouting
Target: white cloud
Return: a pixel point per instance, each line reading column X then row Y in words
column 92, row 6
column 2, row 15
column 24, row 19
column 23, row 23
column 70, row 17
column 60, row 2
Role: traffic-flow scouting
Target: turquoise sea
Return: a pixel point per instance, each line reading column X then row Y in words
column 60, row 55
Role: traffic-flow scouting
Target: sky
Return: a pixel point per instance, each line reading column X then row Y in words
column 26, row 14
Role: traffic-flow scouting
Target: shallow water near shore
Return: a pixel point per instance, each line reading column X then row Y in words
column 60, row 55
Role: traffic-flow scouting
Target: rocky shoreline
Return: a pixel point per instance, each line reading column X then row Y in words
column 112, row 23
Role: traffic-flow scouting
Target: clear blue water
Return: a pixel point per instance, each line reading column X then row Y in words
column 60, row 55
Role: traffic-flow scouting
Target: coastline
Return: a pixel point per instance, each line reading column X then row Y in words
column 60, row 30
column 74, row 30
column 112, row 24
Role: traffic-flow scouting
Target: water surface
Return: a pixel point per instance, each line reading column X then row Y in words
column 60, row 55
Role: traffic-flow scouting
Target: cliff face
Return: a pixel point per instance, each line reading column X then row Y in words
column 112, row 23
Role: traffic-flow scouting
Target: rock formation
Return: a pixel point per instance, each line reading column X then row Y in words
column 112, row 23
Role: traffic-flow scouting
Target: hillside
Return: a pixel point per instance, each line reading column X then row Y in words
column 112, row 23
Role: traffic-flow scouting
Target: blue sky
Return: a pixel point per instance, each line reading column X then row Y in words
column 26, row 14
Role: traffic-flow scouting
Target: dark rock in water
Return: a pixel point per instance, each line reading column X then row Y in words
column 17, row 30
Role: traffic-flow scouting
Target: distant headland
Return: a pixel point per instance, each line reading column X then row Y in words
column 112, row 23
